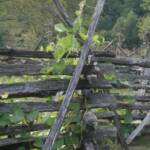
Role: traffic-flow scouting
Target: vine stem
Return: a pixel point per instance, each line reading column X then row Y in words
column 63, row 13
column 74, row 81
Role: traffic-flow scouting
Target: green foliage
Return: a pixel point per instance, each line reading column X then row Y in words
column 21, row 148
column 126, row 29
column 122, row 16
column 67, row 143
column 112, row 12
column 144, row 26
column 144, row 23
column 110, row 143
column 146, row 5
column 109, row 77
column 17, row 115
column 24, row 23
column 31, row 116
column 58, row 68
column 64, row 45
column 70, row 130
column 51, row 119
column 128, row 117
column 135, row 6
column 4, row 119
column 67, row 42
column 2, row 35
column 60, row 28
column 49, row 47
column 38, row 142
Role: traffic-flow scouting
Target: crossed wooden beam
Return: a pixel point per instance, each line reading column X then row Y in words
column 74, row 81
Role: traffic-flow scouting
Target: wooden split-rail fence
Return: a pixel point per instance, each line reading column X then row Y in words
column 108, row 84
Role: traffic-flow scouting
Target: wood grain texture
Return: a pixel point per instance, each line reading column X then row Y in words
column 124, row 61
column 46, row 87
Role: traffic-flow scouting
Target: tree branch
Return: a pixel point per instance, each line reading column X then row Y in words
column 63, row 12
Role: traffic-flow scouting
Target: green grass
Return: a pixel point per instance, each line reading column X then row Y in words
column 141, row 143
column 139, row 148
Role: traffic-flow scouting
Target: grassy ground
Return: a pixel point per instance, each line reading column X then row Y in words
column 141, row 143
column 140, row 148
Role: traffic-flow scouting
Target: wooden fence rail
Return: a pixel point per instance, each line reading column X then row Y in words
column 52, row 86
column 105, row 97
column 102, row 132
column 10, row 52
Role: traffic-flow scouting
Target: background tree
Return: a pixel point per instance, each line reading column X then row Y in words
column 127, row 27
column 24, row 22
column 144, row 23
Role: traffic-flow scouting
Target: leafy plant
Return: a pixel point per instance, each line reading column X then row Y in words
column 31, row 116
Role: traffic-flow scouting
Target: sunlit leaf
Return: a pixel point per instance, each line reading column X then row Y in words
column 109, row 77
column 49, row 47
column 50, row 121
column 65, row 45
column 60, row 27
column 83, row 36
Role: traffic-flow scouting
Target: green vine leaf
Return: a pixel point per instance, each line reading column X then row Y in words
column 51, row 119
column 38, row 142
column 4, row 119
column 31, row 116
column 60, row 28
column 109, row 77
column 77, row 25
column 70, row 140
column 58, row 68
column 58, row 143
column 128, row 117
column 17, row 116
column 49, row 47
column 83, row 36
column 64, row 45
column 54, row 69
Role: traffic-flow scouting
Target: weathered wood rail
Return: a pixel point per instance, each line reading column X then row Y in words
column 52, row 86
column 10, row 52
